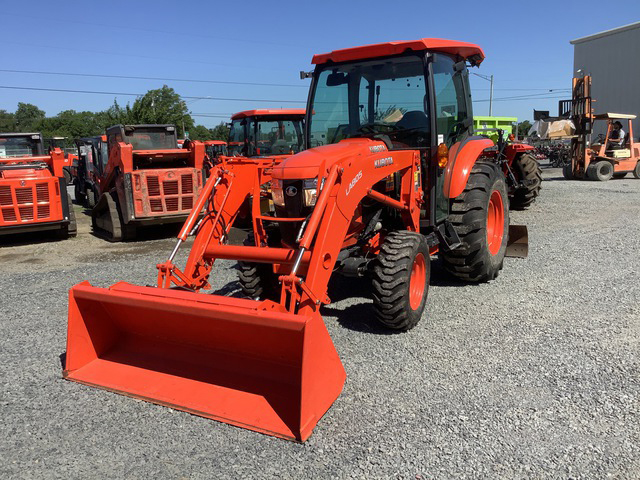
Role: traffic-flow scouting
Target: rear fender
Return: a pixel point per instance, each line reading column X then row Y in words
column 462, row 157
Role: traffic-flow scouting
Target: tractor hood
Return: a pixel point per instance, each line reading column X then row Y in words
column 308, row 163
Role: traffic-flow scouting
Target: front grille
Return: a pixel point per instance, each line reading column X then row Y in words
column 187, row 184
column 26, row 213
column 43, row 211
column 156, row 204
column 172, row 204
column 153, row 186
column 24, row 195
column 187, row 203
column 170, row 187
column 5, row 195
column 175, row 195
column 42, row 192
column 9, row 215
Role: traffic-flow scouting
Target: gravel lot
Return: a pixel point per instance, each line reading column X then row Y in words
column 533, row 375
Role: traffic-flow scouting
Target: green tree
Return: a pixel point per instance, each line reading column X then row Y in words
column 28, row 116
column 220, row 132
column 200, row 132
column 7, row 121
column 163, row 105
column 523, row 128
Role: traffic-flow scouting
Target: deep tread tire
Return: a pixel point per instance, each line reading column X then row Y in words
column 257, row 280
column 72, row 228
column 601, row 171
column 527, row 169
column 391, row 280
column 472, row 261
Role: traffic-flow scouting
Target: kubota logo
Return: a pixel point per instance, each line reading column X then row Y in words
column 291, row 191
column 354, row 181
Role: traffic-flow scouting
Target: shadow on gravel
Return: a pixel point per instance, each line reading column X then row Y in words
column 29, row 238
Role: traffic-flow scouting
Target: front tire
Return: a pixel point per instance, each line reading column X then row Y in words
column 601, row 171
column 257, row 280
column 401, row 280
column 567, row 172
column 527, row 170
column 480, row 215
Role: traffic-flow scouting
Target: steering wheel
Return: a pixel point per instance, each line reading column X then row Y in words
column 601, row 137
column 369, row 127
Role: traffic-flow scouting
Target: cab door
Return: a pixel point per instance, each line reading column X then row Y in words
column 453, row 116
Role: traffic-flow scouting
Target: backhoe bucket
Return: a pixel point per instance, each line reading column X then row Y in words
column 518, row 242
column 251, row 364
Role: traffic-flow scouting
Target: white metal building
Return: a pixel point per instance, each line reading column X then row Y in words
column 612, row 58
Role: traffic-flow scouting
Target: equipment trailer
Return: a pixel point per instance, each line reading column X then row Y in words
column 399, row 179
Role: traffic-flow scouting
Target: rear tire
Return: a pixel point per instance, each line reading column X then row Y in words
column 401, row 280
column 601, row 171
column 636, row 171
column 258, row 280
column 480, row 215
column 527, row 170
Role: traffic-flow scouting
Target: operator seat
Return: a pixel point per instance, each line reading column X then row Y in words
column 416, row 124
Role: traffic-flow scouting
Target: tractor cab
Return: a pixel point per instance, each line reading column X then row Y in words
column 16, row 145
column 144, row 137
column 402, row 96
column 262, row 133
column 215, row 148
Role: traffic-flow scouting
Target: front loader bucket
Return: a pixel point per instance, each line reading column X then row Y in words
column 238, row 361
column 518, row 242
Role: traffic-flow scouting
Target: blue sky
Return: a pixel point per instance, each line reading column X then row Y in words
column 526, row 45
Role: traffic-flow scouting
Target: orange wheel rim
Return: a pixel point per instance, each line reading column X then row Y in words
column 417, row 281
column 495, row 222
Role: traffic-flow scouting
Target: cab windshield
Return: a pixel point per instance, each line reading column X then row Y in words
column 27, row 146
column 151, row 139
column 256, row 136
column 371, row 98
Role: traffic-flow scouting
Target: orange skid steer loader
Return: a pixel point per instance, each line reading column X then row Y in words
column 147, row 180
column 399, row 179
column 33, row 189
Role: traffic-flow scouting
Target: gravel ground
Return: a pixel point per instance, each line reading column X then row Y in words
column 535, row 374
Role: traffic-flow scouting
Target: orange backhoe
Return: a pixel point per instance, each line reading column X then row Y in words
column 33, row 189
column 395, row 178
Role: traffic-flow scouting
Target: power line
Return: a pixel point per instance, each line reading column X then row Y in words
column 191, row 80
column 229, row 82
column 94, row 92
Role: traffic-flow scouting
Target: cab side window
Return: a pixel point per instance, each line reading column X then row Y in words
column 451, row 87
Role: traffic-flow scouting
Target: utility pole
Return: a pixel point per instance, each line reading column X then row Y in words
column 488, row 79
column 491, row 98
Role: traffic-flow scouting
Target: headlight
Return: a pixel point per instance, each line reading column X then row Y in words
column 310, row 190
column 277, row 194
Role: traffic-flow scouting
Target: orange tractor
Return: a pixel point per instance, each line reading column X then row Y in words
column 398, row 179
column 33, row 189
column 266, row 132
column 147, row 180
column 215, row 149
